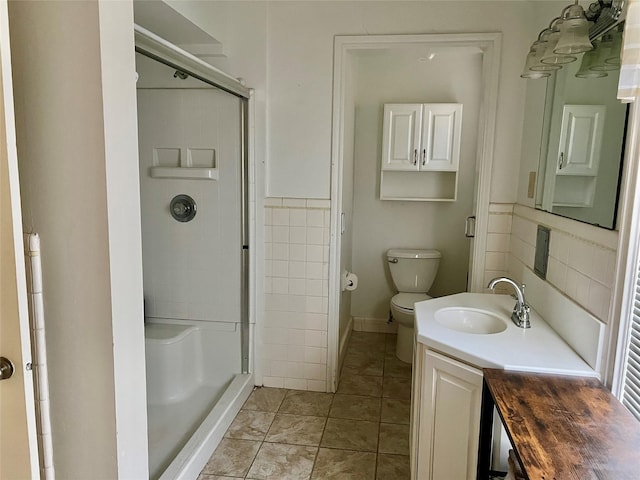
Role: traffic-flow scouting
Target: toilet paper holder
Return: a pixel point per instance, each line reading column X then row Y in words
column 349, row 281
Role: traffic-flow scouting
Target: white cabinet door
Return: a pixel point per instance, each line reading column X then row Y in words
column 401, row 136
column 580, row 140
column 441, row 133
column 446, row 445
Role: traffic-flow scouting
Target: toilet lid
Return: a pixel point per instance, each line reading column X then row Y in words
column 405, row 301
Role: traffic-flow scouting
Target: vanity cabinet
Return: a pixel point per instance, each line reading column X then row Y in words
column 420, row 151
column 445, row 417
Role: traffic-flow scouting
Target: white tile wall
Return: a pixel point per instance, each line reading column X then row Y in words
column 578, row 267
column 498, row 241
column 296, row 293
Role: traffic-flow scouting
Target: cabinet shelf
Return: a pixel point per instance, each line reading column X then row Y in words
column 419, row 186
column 574, row 191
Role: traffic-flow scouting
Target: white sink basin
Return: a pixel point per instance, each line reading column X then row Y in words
column 470, row 320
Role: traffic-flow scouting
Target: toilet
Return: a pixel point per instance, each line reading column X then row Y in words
column 413, row 272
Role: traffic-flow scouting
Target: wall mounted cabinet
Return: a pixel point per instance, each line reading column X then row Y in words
column 578, row 155
column 420, row 151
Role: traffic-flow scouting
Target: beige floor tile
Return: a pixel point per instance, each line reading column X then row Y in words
column 396, row 410
column 390, row 343
column 250, row 425
column 204, row 476
column 355, row 407
column 233, row 457
column 367, row 338
column 397, row 387
column 360, row 385
column 394, row 367
column 306, row 403
column 283, row 462
column 350, row 434
column 377, row 349
column 344, row 464
column 394, row 439
column 296, row 429
column 265, row 399
column 363, row 363
column 393, row 467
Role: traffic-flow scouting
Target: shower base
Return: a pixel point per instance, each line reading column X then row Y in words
column 192, row 394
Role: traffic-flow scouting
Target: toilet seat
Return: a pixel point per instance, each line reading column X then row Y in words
column 405, row 301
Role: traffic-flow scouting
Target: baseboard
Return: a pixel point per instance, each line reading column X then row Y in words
column 343, row 344
column 378, row 325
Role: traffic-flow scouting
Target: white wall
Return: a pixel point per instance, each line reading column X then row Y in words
column 77, row 147
column 298, row 63
column 300, row 79
column 399, row 76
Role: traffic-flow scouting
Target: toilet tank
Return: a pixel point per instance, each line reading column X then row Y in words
column 413, row 270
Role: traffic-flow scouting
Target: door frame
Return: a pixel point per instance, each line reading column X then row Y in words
column 489, row 44
column 22, row 427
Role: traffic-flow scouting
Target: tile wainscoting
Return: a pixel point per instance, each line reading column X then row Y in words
column 581, row 268
column 581, row 257
column 498, row 242
column 296, row 293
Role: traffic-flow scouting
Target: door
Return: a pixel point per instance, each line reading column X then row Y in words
column 18, row 441
column 401, row 136
column 441, row 133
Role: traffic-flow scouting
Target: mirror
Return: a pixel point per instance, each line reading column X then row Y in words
column 582, row 142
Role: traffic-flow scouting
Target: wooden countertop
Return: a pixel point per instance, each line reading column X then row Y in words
column 566, row 428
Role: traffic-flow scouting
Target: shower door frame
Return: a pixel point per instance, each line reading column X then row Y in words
column 149, row 44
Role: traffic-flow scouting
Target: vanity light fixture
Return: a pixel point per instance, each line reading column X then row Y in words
column 604, row 53
column 616, row 47
column 533, row 68
column 589, row 59
column 540, row 46
column 550, row 56
column 532, row 60
column 572, row 34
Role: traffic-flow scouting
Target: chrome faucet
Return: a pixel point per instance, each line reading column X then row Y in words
column 520, row 315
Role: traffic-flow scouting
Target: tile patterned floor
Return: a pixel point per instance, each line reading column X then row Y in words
column 360, row 432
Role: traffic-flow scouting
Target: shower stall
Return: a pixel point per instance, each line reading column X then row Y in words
column 192, row 136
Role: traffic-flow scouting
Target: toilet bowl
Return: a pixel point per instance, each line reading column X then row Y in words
column 413, row 272
column 402, row 310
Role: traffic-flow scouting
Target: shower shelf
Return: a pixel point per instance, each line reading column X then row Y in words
column 196, row 173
